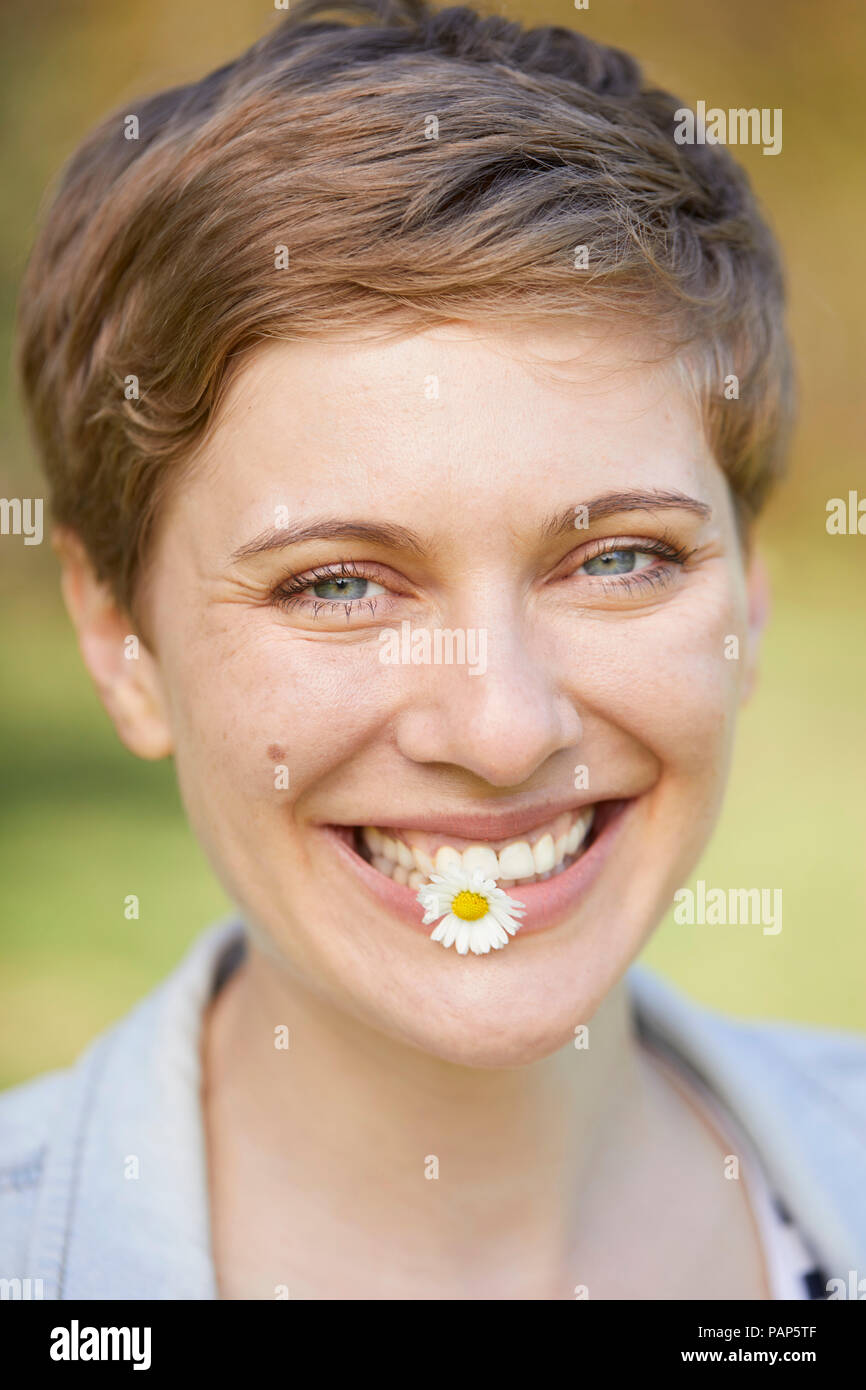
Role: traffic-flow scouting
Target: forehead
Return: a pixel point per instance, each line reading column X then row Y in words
column 448, row 419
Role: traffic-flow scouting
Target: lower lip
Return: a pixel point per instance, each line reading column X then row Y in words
column 547, row 904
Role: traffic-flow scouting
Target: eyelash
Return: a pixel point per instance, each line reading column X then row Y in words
column 289, row 593
column 665, row 548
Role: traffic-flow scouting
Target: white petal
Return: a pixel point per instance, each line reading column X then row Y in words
column 498, row 895
column 480, row 882
column 453, row 926
column 480, row 938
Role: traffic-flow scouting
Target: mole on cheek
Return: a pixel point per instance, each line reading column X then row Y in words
column 276, row 753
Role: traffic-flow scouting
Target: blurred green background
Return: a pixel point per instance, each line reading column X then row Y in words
column 84, row 824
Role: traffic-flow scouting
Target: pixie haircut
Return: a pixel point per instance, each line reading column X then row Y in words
column 380, row 166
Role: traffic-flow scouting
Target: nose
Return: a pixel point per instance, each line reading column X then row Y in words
column 501, row 723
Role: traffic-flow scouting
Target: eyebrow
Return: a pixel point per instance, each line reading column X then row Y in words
column 331, row 528
column 401, row 537
column 611, row 503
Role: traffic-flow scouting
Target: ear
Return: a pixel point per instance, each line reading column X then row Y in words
column 124, row 672
column 759, row 605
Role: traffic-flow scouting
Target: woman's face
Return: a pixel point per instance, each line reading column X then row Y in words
column 443, row 484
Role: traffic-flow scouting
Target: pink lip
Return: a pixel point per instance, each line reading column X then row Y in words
column 546, row 903
column 490, row 825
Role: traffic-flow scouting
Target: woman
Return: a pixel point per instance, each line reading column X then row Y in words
column 408, row 393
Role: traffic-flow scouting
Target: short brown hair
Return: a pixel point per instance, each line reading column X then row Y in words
column 157, row 256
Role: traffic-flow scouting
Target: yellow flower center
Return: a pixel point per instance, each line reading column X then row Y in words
column 469, row 906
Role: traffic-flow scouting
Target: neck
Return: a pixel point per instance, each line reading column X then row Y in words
column 348, row 1118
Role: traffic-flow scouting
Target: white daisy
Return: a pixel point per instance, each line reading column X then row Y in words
column 476, row 915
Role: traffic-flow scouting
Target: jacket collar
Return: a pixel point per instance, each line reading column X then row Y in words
column 799, row 1094
column 124, row 1198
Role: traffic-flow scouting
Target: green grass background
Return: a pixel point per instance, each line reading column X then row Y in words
column 83, row 824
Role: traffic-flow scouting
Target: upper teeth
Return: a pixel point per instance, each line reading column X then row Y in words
column 410, row 857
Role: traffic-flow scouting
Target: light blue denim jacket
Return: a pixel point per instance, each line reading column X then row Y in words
column 71, row 1216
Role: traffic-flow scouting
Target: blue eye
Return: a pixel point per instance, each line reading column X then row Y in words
column 339, row 588
column 615, row 562
column 346, row 587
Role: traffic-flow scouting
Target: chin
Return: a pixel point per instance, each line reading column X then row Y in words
column 509, row 1016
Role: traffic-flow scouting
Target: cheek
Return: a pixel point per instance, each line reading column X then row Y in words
column 269, row 716
column 669, row 680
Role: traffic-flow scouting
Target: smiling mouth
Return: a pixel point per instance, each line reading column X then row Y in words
column 395, row 862
column 408, row 857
